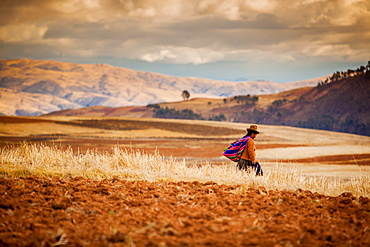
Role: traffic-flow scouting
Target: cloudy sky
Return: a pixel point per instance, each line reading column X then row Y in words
column 277, row 40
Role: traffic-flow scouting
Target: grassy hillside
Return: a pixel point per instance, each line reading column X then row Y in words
column 341, row 104
column 206, row 107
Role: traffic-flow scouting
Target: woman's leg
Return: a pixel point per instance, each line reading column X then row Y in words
column 257, row 167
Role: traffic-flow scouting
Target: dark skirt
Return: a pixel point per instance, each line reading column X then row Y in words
column 247, row 165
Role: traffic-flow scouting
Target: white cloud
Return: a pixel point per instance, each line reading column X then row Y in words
column 183, row 55
column 159, row 56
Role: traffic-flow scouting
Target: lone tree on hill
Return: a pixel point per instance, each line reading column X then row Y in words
column 185, row 94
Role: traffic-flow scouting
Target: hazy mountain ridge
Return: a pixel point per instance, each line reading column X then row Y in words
column 34, row 87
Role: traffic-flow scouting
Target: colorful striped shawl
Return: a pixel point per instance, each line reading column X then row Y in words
column 235, row 150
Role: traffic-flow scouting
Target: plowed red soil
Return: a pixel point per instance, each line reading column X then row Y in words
column 37, row 211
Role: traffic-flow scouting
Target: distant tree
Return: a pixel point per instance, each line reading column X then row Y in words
column 351, row 73
column 155, row 106
column 362, row 69
column 246, row 99
column 220, row 117
column 176, row 114
column 185, row 95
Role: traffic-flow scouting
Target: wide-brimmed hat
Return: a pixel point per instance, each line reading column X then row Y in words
column 253, row 128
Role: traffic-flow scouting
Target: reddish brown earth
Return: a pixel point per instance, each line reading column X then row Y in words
column 38, row 211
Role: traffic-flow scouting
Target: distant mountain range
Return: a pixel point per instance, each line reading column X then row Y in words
column 33, row 87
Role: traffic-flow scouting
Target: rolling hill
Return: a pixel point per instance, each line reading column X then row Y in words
column 33, row 87
column 342, row 105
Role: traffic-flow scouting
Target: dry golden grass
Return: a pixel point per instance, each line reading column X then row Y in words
column 41, row 160
column 174, row 139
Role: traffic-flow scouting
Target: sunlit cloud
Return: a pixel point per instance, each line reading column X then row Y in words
column 183, row 55
column 183, row 32
column 22, row 33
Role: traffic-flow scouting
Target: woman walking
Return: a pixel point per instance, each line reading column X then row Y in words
column 249, row 158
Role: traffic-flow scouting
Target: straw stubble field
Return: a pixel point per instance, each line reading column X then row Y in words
column 130, row 182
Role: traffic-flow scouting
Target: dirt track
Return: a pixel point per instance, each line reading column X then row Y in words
column 78, row 212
